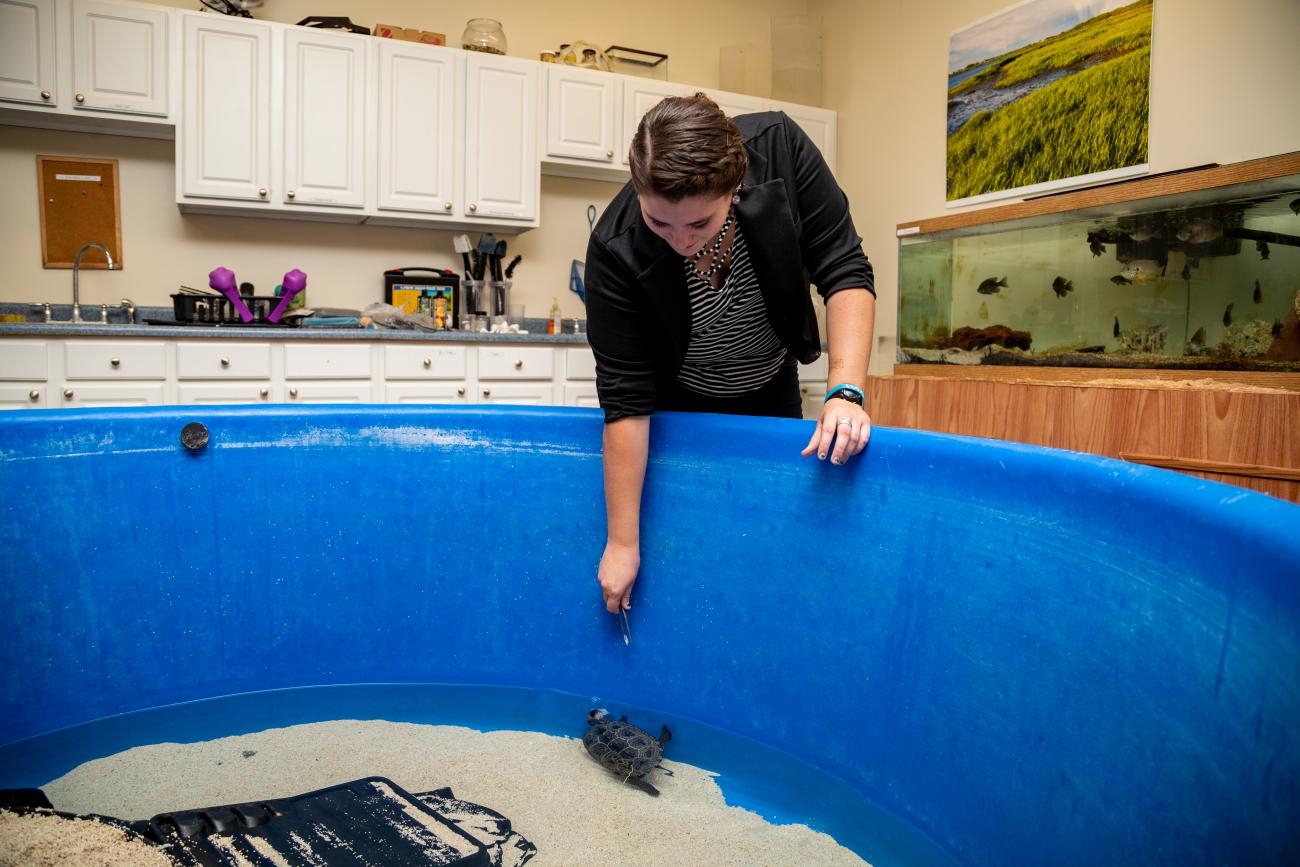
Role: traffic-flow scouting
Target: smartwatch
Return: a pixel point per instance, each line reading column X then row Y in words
column 851, row 393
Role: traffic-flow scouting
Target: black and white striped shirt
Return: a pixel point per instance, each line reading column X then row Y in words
column 733, row 349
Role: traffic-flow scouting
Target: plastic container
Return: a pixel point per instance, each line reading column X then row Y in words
column 554, row 324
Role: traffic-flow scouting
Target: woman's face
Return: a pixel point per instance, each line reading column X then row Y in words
column 688, row 224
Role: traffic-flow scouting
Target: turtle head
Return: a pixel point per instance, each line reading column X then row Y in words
column 597, row 715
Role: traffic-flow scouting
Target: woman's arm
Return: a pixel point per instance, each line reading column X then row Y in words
column 850, row 320
column 627, row 445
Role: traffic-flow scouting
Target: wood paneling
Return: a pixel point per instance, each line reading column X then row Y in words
column 1238, row 428
column 1121, row 192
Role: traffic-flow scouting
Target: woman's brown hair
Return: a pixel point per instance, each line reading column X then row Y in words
column 686, row 146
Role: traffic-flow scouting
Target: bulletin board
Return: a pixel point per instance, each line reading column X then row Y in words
column 79, row 204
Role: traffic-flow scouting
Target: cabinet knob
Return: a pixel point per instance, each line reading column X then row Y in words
column 81, row 97
column 519, row 364
column 293, row 392
column 473, row 206
column 487, row 392
column 262, row 192
column 115, row 361
column 34, row 394
column 264, row 392
column 460, row 392
column 67, row 393
column 291, row 194
column 609, row 153
column 45, row 94
column 428, row 362
column 225, row 362
column 446, row 206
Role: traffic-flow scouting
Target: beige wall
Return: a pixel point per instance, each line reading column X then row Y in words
column 1222, row 90
column 164, row 248
column 1223, row 80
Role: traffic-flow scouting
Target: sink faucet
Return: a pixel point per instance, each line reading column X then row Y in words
column 76, row 269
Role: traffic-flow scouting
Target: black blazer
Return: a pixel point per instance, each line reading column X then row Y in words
column 797, row 228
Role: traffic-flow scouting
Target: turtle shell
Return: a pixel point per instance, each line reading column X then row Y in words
column 623, row 748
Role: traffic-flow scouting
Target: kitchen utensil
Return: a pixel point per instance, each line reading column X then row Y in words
column 487, row 247
column 294, row 282
column 591, row 217
column 627, row 630
column 498, row 257
column 223, row 280
column 577, row 273
column 510, row 269
column 461, row 245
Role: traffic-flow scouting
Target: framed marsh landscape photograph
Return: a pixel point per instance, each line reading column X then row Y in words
column 1048, row 95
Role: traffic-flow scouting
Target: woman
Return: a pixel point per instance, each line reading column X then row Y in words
column 697, row 296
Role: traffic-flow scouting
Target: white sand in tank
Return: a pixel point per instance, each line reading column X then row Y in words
column 554, row 794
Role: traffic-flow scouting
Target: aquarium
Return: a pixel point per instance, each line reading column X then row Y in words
column 1197, row 279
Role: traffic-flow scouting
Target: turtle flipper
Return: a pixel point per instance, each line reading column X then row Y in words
column 665, row 736
column 644, row 786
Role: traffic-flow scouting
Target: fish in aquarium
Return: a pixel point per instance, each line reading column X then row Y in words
column 1186, row 273
column 1259, row 294
column 1227, row 316
column 1096, row 247
column 991, row 285
column 1062, row 287
column 1121, row 280
column 1115, row 330
column 1197, row 340
column 1200, row 232
column 1295, row 207
column 1142, row 271
column 1277, row 327
column 1262, row 247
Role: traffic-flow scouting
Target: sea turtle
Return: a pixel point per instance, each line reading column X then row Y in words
column 628, row 751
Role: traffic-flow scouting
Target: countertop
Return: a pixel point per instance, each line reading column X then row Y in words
column 62, row 327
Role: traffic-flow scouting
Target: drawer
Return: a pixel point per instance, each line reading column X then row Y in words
column 424, row 362
column 580, row 364
column 24, row 360
column 327, row 361
column 516, row 362
column 102, row 359
column 223, row 361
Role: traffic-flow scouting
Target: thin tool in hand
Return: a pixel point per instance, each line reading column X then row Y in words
column 627, row 630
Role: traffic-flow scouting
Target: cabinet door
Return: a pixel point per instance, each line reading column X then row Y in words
column 418, row 127
column 819, row 123
column 426, row 392
column 227, row 393
column 734, row 104
column 580, row 120
column 581, row 394
column 521, row 393
column 120, row 57
column 502, row 172
column 324, row 118
column 108, row 394
column 23, row 395
column 639, row 97
column 223, row 139
column 330, row 392
column 27, row 46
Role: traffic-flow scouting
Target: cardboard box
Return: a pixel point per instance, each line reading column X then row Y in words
column 410, row 34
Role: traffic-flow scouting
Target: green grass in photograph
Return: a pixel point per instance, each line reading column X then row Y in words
column 1092, row 121
column 1116, row 32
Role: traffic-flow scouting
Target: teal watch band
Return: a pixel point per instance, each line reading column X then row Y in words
column 844, row 386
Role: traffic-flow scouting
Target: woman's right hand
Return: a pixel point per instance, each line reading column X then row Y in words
column 618, row 568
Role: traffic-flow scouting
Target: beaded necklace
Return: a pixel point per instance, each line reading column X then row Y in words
column 719, row 259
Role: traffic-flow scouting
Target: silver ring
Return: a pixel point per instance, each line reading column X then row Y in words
column 846, row 420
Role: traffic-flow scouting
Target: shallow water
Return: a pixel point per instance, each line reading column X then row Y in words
column 775, row 785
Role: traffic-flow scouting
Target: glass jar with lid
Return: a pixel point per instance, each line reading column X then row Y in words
column 484, row 34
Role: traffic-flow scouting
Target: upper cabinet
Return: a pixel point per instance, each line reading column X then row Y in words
column 223, row 141
column 325, row 89
column 818, row 123
column 94, row 65
column 121, row 58
column 581, row 115
column 416, row 150
column 28, row 73
column 502, row 174
column 639, row 96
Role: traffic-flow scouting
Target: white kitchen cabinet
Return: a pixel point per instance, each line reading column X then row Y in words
column 417, row 129
column 820, row 124
column 114, row 360
column 520, row 393
column 121, row 58
column 639, row 96
column 325, row 87
column 313, row 360
column 211, row 393
column 733, row 104
column 438, row 361
column 23, row 395
column 223, row 139
column 581, row 394
column 516, row 362
column 28, row 70
column 330, row 392
column 223, row 360
column 109, row 394
column 581, row 114
column 502, row 172
column 427, row 392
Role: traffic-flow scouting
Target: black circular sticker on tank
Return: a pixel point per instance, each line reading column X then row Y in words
column 194, row 436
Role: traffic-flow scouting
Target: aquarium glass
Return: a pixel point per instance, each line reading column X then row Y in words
column 1206, row 280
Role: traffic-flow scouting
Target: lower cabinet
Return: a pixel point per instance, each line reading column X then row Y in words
column 23, row 395
column 228, row 392
column 427, row 392
column 109, row 394
column 347, row 391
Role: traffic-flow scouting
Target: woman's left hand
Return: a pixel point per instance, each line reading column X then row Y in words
column 845, row 424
